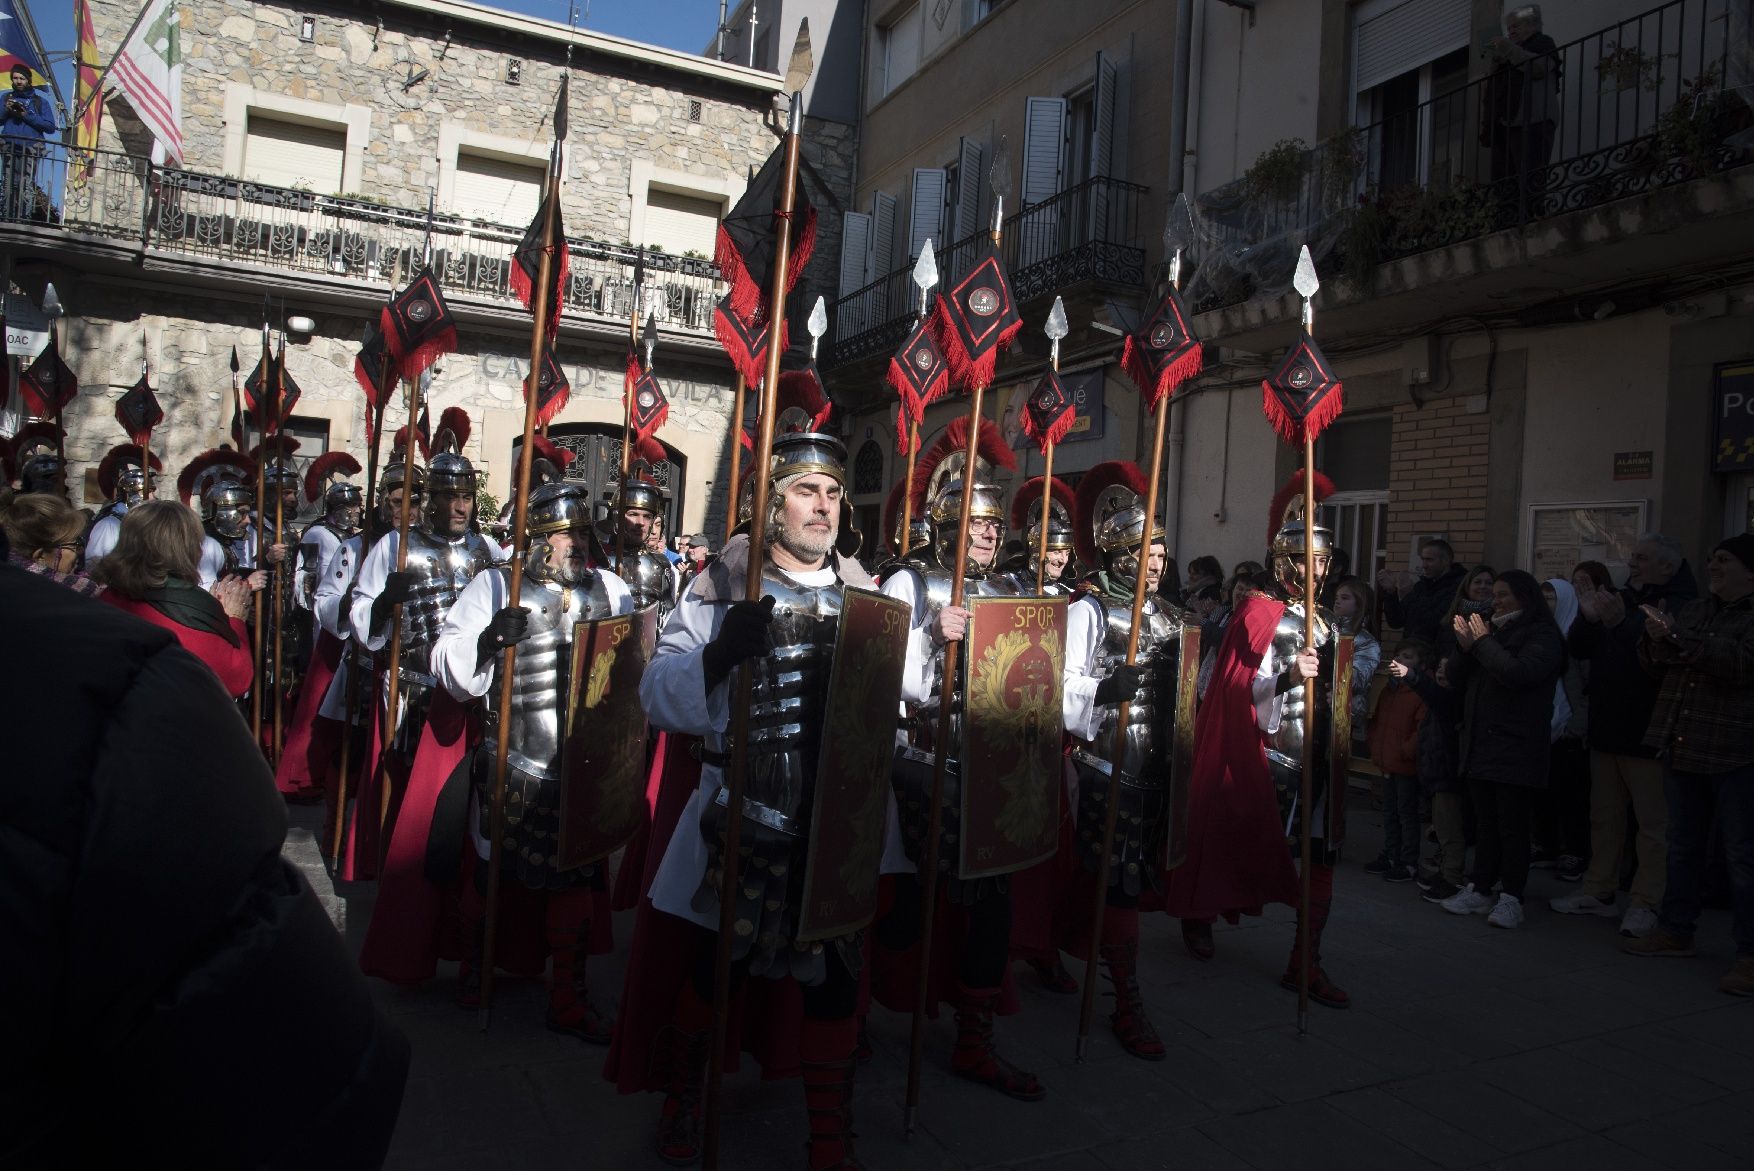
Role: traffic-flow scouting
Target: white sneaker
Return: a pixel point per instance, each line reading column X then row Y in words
column 1466, row 901
column 1585, row 904
column 1508, row 912
column 1639, row 923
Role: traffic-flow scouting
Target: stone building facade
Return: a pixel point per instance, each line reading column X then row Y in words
column 317, row 134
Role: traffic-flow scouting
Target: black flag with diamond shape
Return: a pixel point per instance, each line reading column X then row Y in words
column 1049, row 414
column 138, row 411
column 745, row 340
column 919, row 374
column 418, row 327
column 552, row 388
column 976, row 320
column 1303, row 395
column 650, row 407
column 1163, row 353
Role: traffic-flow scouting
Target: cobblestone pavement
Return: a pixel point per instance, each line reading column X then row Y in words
column 1466, row 1046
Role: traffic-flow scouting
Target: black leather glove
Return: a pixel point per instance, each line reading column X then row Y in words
column 507, row 628
column 398, row 588
column 1121, row 685
column 743, row 635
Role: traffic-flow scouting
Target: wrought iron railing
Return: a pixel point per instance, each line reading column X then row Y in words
column 1645, row 103
column 115, row 196
column 1090, row 232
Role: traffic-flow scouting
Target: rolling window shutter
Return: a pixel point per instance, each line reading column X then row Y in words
column 294, row 154
column 496, row 190
column 680, row 224
column 855, row 248
column 1044, row 129
column 926, row 215
column 1389, row 39
column 968, row 194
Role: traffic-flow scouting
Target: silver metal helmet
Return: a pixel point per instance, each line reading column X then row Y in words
column 450, row 472
column 41, row 472
column 1288, row 550
column 131, row 485
column 557, row 506
column 342, row 504
column 945, row 514
column 278, row 476
column 226, row 507
column 643, row 494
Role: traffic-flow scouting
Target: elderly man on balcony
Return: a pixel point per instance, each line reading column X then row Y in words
column 26, row 121
column 1521, row 100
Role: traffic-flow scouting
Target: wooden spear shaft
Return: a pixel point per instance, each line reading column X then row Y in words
column 1047, row 496
column 280, row 579
column 1306, row 787
column 256, row 595
column 739, row 741
column 350, row 653
column 627, row 423
column 907, row 488
column 393, row 682
column 738, row 406
column 1118, row 755
column 514, row 589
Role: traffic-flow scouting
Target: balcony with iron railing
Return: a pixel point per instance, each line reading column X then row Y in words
column 1088, row 233
column 171, row 214
column 1649, row 102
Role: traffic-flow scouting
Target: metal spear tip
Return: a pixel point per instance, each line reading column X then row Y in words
column 1178, row 226
column 1306, row 282
column 818, row 323
column 926, row 268
column 1056, row 327
column 234, row 360
column 52, row 301
column 648, row 334
column 1001, row 172
column 803, row 62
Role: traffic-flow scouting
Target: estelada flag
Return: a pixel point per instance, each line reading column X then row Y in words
column 919, row 374
column 1303, row 396
column 1049, row 413
column 749, row 236
column 18, row 47
column 418, row 327
column 552, row 388
column 48, row 385
column 976, row 320
column 527, row 265
column 650, row 407
column 138, row 412
column 1163, row 353
column 745, row 339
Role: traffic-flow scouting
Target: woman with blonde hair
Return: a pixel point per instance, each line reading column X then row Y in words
column 153, row 573
column 42, row 536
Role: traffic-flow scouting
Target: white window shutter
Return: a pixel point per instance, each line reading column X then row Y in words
column 968, row 195
column 855, row 248
column 1044, row 132
column 883, row 209
column 1388, row 39
column 294, row 154
column 926, row 215
column 1102, row 138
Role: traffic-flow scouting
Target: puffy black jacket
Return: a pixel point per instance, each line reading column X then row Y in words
column 174, row 992
column 1621, row 694
column 1506, row 682
column 1420, row 613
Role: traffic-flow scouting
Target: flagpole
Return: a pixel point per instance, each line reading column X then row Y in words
column 280, row 574
column 738, row 407
column 1056, row 329
column 393, row 682
column 907, row 488
column 627, row 409
column 1306, row 784
column 97, row 87
column 739, row 739
column 256, row 595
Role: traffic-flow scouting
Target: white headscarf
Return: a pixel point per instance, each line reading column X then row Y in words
column 1564, row 613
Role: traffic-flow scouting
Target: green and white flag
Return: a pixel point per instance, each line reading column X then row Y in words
column 149, row 72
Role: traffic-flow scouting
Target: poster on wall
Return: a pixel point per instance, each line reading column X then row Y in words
column 1732, row 396
column 1561, row 535
column 1085, row 387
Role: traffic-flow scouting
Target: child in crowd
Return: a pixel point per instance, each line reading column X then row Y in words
column 1438, row 760
column 1394, row 748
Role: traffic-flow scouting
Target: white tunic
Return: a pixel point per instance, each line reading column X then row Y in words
column 673, row 692
column 327, row 605
column 102, row 537
column 307, row 569
column 243, row 551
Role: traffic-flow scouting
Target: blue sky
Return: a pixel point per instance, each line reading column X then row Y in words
column 675, row 24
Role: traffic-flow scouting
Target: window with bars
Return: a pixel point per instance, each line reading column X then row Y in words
column 868, row 469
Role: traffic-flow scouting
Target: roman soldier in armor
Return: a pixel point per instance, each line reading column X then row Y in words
column 1111, row 533
column 642, row 503
column 312, row 738
column 1026, row 518
column 1248, row 764
column 36, row 461
column 789, row 637
column 561, row 587
column 979, row 949
column 909, row 550
column 123, row 482
column 221, row 481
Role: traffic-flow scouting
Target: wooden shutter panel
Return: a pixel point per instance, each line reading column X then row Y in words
column 496, row 190
column 1044, row 131
column 970, row 181
column 855, row 248
column 926, row 213
column 1102, row 143
column 883, row 209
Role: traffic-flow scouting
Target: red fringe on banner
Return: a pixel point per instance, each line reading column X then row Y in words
column 966, row 370
column 413, row 364
column 1169, row 380
column 1291, row 428
column 546, row 412
column 1055, row 431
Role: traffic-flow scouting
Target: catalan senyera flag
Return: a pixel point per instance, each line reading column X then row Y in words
column 87, row 102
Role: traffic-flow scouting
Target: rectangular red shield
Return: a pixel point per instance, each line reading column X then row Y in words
column 1339, row 740
column 1181, row 759
column 1012, row 729
column 850, row 809
column 603, row 757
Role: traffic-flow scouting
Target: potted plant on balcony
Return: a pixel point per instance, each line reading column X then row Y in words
column 1277, row 174
column 1624, row 67
column 1694, row 130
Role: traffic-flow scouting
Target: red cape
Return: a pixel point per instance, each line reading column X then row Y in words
column 766, row 1018
column 363, row 844
column 308, row 757
column 1237, row 859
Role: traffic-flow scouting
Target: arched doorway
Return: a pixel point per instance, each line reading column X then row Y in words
column 596, row 463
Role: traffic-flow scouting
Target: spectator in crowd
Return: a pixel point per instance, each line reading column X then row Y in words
column 1339, row 569
column 1562, row 822
column 1204, row 571
column 1438, row 756
column 1416, row 604
column 1589, row 576
column 1520, row 106
column 1395, row 731
column 42, row 536
column 153, row 573
column 1701, row 729
column 161, row 956
column 655, row 542
column 1473, row 596
column 27, row 123
column 1507, row 668
column 1169, row 586
column 1623, row 770
column 1354, row 609
column 1246, row 569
